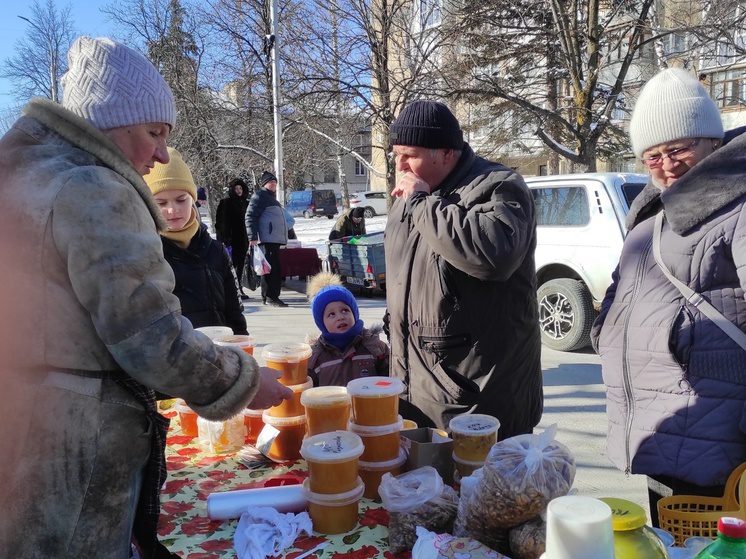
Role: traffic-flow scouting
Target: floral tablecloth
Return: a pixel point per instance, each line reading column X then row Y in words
column 193, row 474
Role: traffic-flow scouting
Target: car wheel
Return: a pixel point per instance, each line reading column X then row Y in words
column 329, row 217
column 307, row 214
column 369, row 212
column 566, row 314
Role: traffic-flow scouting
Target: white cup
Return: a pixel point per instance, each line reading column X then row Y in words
column 579, row 528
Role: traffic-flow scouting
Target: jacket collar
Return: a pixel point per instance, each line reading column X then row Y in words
column 709, row 186
column 462, row 168
column 85, row 136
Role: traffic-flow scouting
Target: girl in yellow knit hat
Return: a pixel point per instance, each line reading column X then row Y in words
column 206, row 283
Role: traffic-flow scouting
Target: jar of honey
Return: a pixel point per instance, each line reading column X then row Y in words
column 464, row 468
column 332, row 461
column 291, row 359
column 221, row 436
column 187, row 419
column 254, row 424
column 244, row 343
column 375, row 400
column 333, row 514
column 292, row 407
column 214, row 332
column 382, row 442
column 372, row 472
column 327, row 408
column 473, row 436
column 287, row 442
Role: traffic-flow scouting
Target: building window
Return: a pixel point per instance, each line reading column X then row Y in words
column 359, row 168
column 429, row 13
column 729, row 88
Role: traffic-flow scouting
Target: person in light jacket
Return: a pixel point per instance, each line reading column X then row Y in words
column 90, row 326
column 461, row 280
column 675, row 382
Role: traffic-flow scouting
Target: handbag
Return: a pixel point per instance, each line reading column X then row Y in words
column 252, row 280
column 730, row 329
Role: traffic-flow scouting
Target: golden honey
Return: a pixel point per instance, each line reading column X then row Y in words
column 332, row 460
column 473, row 436
column 375, row 400
column 286, row 445
column 372, row 472
column 291, row 359
column 327, row 409
column 239, row 341
column 333, row 514
column 254, row 424
column 292, row 407
column 381, row 443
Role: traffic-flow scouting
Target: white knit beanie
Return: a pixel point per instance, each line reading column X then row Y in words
column 672, row 106
column 111, row 85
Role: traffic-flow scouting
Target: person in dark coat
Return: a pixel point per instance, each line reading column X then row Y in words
column 461, row 280
column 266, row 226
column 351, row 222
column 206, row 284
column 230, row 227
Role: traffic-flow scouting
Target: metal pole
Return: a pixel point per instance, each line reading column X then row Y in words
column 276, row 102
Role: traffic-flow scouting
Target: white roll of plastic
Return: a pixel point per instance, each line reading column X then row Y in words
column 231, row 504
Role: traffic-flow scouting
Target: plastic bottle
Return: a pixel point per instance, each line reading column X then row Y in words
column 632, row 538
column 730, row 543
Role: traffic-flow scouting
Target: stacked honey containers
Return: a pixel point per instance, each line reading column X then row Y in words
column 289, row 418
column 333, row 488
column 473, row 437
column 376, row 420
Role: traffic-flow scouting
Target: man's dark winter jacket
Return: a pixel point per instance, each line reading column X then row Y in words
column 676, row 384
column 205, row 282
column 461, row 296
column 265, row 219
column 345, row 227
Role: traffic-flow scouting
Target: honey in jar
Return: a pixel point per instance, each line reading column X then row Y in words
column 291, row 359
column 292, row 407
column 473, row 436
column 327, row 409
column 238, row 341
column 464, row 468
column 222, row 436
column 214, row 332
column 254, row 424
column 187, row 419
column 375, row 400
column 372, row 472
column 286, row 445
column 382, row 442
column 332, row 461
column 333, row 514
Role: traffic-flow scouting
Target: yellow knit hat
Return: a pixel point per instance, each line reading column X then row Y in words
column 174, row 175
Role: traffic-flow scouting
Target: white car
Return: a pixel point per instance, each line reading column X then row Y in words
column 374, row 202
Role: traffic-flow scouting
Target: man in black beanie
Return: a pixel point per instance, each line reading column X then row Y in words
column 350, row 223
column 461, row 281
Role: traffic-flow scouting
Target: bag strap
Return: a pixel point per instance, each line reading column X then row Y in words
column 704, row 306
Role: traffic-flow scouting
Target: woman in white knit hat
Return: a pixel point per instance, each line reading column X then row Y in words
column 89, row 324
column 671, row 328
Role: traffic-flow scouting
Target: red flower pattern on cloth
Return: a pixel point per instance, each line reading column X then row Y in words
column 218, row 475
column 200, row 525
column 207, row 487
column 365, row 552
column 178, row 439
column 375, row 517
column 175, row 485
column 216, row 545
column 175, row 507
column 188, row 451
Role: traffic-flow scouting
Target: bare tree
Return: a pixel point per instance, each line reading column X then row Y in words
column 40, row 56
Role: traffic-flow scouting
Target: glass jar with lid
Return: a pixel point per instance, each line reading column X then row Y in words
column 633, row 539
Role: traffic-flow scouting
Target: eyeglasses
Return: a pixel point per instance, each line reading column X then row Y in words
column 677, row 154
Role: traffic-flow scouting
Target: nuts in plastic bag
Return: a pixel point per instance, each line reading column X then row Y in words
column 519, row 478
column 529, row 540
column 416, row 498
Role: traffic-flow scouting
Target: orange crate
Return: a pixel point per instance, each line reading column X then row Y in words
column 685, row 516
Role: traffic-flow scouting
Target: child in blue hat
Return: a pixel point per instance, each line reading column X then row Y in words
column 345, row 350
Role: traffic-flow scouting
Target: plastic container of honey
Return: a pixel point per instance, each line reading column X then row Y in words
column 214, row 332
column 382, row 442
column 254, row 423
column 464, row 467
column 372, row 472
column 187, row 419
column 408, row 424
column 286, row 445
column 473, row 436
column 327, row 408
column 332, row 461
column 221, row 436
column 292, row 407
column 333, row 514
column 239, row 341
column 289, row 358
column 375, row 400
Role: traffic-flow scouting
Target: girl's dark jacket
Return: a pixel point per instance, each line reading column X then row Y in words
column 230, row 227
column 205, row 282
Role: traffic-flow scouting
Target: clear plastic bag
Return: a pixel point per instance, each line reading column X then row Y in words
column 529, row 540
column 259, row 262
column 417, row 498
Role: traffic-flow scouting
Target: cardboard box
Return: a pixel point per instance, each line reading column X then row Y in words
column 429, row 447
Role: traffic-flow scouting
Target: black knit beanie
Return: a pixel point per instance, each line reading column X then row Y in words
column 266, row 177
column 427, row 124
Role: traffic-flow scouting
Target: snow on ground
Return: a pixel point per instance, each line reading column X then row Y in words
column 314, row 232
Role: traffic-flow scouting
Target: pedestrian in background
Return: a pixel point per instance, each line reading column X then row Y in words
column 461, row 281
column 230, row 227
column 350, row 223
column 675, row 381
column 90, row 327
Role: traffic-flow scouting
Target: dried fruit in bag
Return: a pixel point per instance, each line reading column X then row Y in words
column 528, row 540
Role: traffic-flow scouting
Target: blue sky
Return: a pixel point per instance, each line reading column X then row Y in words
column 86, row 16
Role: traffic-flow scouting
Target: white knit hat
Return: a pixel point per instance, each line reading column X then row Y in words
column 672, row 106
column 110, row 85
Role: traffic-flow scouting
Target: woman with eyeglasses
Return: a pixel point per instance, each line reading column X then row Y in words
column 675, row 380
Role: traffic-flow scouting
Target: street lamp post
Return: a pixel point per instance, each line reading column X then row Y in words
column 276, row 100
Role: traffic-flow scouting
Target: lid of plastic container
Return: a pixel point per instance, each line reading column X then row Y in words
column 377, row 430
column 238, row 340
column 375, row 387
column 334, row 499
column 334, row 446
column 287, row 352
column 476, row 464
column 625, row 515
column 474, row 424
column 387, row 465
column 213, row 332
column 253, row 413
column 732, row 527
column 283, row 421
column 301, row 387
column 324, row 396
